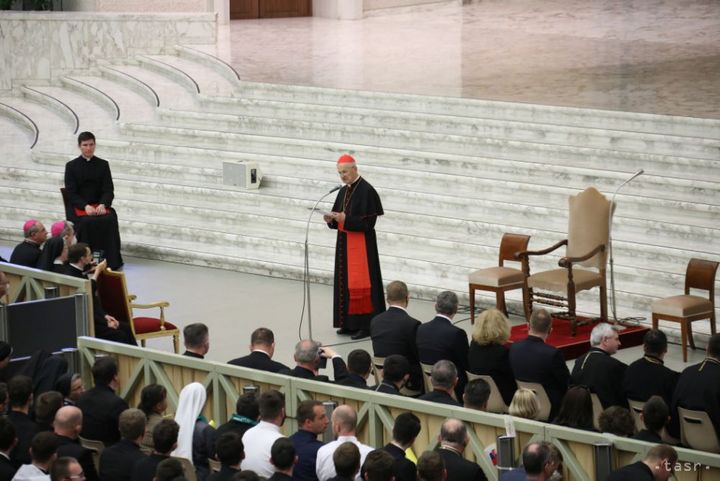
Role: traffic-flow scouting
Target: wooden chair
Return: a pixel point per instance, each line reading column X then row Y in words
column 501, row 279
column 116, row 301
column 597, row 410
column 697, row 431
column 495, row 404
column 584, row 264
column 95, row 447
column 542, row 397
column 687, row 308
column 636, row 408
column 377, row 368
column 215, row 465
column 427, row 371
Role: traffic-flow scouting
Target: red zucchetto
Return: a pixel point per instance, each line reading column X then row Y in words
column 346, row 159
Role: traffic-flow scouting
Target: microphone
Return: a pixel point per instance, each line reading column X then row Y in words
column 636, row 174
column 338, row 187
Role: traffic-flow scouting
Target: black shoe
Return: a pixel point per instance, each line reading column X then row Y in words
column 344, row 332
column 361, row 334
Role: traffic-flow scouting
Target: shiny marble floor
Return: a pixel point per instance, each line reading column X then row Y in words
column 657, row 56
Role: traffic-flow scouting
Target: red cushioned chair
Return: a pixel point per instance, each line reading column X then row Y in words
column 116, row 301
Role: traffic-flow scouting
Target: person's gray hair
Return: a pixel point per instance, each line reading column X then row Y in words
column 453, row 431
column 599, row 332
column 307, row 350
column 446, row 303
column 444, row 374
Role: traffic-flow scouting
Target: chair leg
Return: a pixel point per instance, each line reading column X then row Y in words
column 690, row 335
column 683, row 340
column 603, row 305
column 500, row 302
column 712, row 322
column 142, row 342
column 571, row 314
column 655, row 321
column 176, row 344
column 527, row 302
column 472, row 304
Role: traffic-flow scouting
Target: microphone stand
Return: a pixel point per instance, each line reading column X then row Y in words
column 610, row 243
column 306, row 276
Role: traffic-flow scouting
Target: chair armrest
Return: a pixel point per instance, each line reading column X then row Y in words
column 567, row 262
column 131, row 297
column 150, row 305
column 525, row 254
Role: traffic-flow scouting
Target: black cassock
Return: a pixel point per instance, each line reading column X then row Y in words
column 26, row 254
column 362, row 206
column 90, row 182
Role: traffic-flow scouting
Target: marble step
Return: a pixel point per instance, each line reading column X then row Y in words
column 209, row 80
column 90, row 115
column 486, row 109
column 132, row 105
column 170, row 92
column 54, row 129
column 467, row 143
column 231, row 112
column 16, row 127
column 687, row 168
column 213, row 63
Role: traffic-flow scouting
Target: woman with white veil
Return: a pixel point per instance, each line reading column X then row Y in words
column 195, row 435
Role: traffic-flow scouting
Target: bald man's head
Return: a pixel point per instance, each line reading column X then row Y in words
column 344, row 420
column 68, row 421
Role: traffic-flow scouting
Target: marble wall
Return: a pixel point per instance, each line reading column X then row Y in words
column 357, row 9
column 221, row 7
column 40, row 46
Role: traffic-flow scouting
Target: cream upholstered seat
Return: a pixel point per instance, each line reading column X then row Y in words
column 685, row 309
column 500, row 278
column 697, row 430
column 583, row 266
column 495, row 403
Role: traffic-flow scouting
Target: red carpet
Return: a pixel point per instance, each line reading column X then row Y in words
column 573, row 347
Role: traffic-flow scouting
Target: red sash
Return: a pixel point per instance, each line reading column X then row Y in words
column 359, row 286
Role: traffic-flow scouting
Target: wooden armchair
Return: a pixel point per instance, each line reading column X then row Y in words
column 116, row 301
column 584, row 264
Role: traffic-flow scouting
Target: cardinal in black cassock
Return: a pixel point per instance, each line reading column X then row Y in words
column 358, row 291
column 90, row 192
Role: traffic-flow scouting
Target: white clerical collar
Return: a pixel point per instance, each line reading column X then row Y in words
column 87, row 159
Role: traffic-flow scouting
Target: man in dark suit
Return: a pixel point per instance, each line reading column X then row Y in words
column 359, row 366
column 405, row 430
column 538, row 463
column 165, row 436
column 67, row 426
column 444, row 379
column 20, row 394
column 27, row 253
column 230, row 452
column 100, row 406
column 657, row 466
column 476, row 395
column 453, row 440
column 698, row 388
column 282, row 457
column 312, row 421
column 247, row 412
column 439, row 339
column 117, row 461
column 197, row 340
column 648, row 376
column 262, row 348
column 533, row 360
column 307, row 359
column 396, row 372
column 394, row 331
column 8, row 440
column 598, row 370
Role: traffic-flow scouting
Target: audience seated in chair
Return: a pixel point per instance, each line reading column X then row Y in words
column 488, row 355
column 656, row 416
column 576, row 410
column 598, row 370
column 312, row 421
column 262, row 348
column 476, row 395
column 307, row 359
column 344, row 423
column 55, row 252
column 66, row 468
column 67, row 426
column 153, row 403
column 197, row 340
column 431, row 467
column 100, row 406
column 444, row 379
column 533, row 360
column 43, row 450
column 393, row 332
column 196, row 438
column 70, row 385
column 259, row 439
column 230, row 452
column 648, row 376
column 439, row 339
column 283, row 459
column 165, row 436
column 698, row 388
column 405, row 431
column 170, row 469
column 8, row 441
column 247, row 412
column 359, row 366
column 453, row 440
column 539, row 463
column 658, row 465
column 117, row 461
column 20, row 392
column 396, row 373
column 27, row 253
column 46, row 405
column 379, row 466
column 524, row 404
column 617, row 420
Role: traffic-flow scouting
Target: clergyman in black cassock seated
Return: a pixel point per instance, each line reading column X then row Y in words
column 90, row 191
column 27, row 253
column 106, row 326
column 358, row 290
column 54, row 253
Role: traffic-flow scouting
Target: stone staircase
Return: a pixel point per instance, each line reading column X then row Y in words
column 453, row 174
